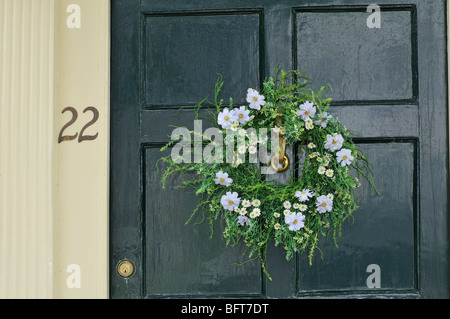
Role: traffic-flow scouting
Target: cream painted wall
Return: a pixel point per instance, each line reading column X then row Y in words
column 26, row 143
column 53, row 196
column 81, row 169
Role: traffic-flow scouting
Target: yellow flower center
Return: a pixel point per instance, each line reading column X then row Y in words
column 255, row 98
column 241, row 116
column 295, row 222
column 334, row 142
column 324, row 204
column 344, row 157
column 222, row 180
column 230, row 202
column 306, row 112
column 227, row 118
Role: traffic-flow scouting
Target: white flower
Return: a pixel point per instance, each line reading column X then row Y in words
column 323, row 120
column 295, row 221
column 329, row 173
column 276, row 215
column 344, row 157
column 241, row 114
column 234, row 126
column 311, row 145
column 255, row 99
column 330, row 196
column 309, row 124
column 252, row 149
column 242, row 149
column 321, row 170
column 255, row 213
column 242, row 132
column 303, row 207
column 277, row 226
column 303, row 195
column 314, row 154
column 226, row 118
column 243, row 220
column 324, row 204
column 243, row 211
column 307, row 110
column 296, row 205
column 256, row 202
column 334, row 143
column 287, row 204
column 246, row 203
column 230, row 201
column 223, row 179
column 287, row 212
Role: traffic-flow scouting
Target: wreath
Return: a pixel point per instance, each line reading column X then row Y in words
column 256, row 208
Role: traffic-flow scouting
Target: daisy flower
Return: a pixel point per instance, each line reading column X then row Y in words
column 241, row 114
column 323, row 120
column 307, row 110
column 276, row 215
column 230, row 201
column 255, row 99
column 295, row 221
column 255, row 213
column 311, row 145
column 334, row 142
column 246, row 203
column 329, row 173
column 303, row 207
column 234, row 126
column 252, row 149
column 287, row 212
column 242, row 132
column 256, row 202
column 324, row 204
column 226, row 118
column 287, row 204
column 314, row 154
column 223, row 179
column 303, row 195
column 309, row 124
column 242, row 149
column 296, row 205
column 344, row 157
column 243, row 220
column 277, row 226
column 321, row 170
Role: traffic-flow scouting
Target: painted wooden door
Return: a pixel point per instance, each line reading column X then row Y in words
column 387, row 68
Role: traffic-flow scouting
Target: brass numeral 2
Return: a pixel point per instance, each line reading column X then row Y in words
column 81, row 137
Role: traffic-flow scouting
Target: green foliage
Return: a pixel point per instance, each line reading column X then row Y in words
column 284, row 94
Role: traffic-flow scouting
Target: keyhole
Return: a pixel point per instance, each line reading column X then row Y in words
column 125, row 268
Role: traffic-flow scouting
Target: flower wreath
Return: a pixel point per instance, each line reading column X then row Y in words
column 256, row 208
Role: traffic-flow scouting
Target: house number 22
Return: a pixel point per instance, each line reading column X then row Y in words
column 81, row 136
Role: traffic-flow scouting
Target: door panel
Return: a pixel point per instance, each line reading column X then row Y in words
column 388, row 83
column 367, row 65
column 213, row 43
column 180, row 259
column 383, row 231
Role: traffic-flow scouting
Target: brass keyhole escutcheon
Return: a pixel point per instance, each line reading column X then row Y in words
column 125, row 268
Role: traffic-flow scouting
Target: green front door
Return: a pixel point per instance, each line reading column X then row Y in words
column 387, row 68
